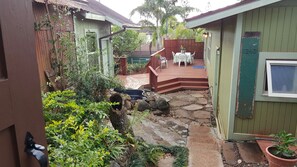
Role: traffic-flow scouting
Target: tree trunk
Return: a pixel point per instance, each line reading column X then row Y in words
column 118, row 115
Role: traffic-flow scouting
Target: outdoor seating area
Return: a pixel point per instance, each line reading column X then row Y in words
column 183, row 57
column 172, row 71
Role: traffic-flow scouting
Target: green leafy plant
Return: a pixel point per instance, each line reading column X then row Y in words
column 283, row 142
column 125, row 42
column 76, row 132
column 147, row 155
column 136, row 68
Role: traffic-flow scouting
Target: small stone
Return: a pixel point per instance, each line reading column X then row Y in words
column 179, row 103
column 193, row 107
column 239, row 161
column 167, row 98
column 182, row 113
column 143, row 105
column 128, row 104
column 198, row 95
column 202, row 101
column 158, row 112
column 201, row 114
column 208, row 105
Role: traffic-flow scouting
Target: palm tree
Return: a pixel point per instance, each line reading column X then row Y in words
column 159, row 11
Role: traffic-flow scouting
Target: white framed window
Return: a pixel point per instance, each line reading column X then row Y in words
column 92, row 47
column 264, row 71
column 281, row 78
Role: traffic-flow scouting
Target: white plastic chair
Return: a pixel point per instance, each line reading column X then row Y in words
column 192, row 58
column 163, row 62
column 174, row 58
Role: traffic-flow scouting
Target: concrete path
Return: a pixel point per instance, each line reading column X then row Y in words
column 204, row 148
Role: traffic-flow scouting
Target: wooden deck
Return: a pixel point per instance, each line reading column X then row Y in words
column 173, row 71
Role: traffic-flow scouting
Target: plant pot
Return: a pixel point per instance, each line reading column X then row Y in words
column 275, row 161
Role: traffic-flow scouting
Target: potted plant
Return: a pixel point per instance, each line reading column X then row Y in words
column 182, row 49
column 281, row 154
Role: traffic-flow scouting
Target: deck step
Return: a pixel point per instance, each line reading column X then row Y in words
column 182, row 83
column 182, row 79
column 179, row 88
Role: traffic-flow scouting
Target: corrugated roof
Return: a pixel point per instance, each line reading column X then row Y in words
column 227, row 11
column 95, row 7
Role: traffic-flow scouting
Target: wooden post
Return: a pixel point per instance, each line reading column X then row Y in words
column 123, row 65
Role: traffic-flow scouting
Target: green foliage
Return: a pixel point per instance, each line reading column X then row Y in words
column 85, row 78
column 284, row 141
column 181, row 32
column 77, row 136
column 125, row 42
column 160, row 11
column 148, row 155
column 135, row 68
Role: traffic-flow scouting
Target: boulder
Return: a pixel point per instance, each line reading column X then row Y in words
column 163, row 105
column 143, row 105
column 153, row 105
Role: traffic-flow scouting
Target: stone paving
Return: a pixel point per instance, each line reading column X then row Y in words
column 192, row 124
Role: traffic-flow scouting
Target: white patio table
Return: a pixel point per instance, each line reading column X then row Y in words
column 182, row 57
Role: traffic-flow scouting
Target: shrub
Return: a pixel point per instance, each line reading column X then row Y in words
column 136, row 68
column 75, row 131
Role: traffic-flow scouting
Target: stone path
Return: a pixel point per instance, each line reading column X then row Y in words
column 192, row 124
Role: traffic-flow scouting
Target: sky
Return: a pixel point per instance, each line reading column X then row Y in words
column 124, row 7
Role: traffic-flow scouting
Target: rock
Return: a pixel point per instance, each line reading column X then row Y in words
column 153, row 105
column 183, row 113
column 201, row 114
column 186, row 98
column 158, row 112
column 193, row 107
column 198, row 95
column 162, row 104
column 202, row 101
column 167, row 98
column 179, row 103
column 128, row 104
column 126, row 96
column 151, row 97
column 143, row 105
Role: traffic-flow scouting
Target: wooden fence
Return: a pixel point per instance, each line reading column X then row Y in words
column 174, row 45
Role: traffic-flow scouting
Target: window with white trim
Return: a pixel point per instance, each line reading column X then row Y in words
column 262, row 90
column 281, row 78
column 92, row 48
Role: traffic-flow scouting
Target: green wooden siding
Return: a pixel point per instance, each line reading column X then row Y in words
column 215, row 35
column 270, row 117
column 278, row 26
column 225, row 75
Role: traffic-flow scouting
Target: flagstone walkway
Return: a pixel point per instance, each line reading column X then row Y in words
column 192, row 124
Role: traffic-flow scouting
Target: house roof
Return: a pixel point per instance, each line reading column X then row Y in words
column 97, row 8
column 225, row 12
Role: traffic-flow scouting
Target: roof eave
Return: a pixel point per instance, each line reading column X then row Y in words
column 193, row 23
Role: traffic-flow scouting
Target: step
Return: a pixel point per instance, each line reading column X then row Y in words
column 193, row 83
column 182, row 83
column 178, row 88
column 182, row 79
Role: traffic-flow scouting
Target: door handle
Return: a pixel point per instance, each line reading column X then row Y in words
column 36, row 150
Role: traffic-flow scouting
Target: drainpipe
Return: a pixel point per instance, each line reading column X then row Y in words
column 100, row 44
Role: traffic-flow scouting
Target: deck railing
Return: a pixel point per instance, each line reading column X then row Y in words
column 153, row 78
column 152, row 66
column 154, row 60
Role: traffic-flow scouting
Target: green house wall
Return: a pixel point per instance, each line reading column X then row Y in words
column 223, row 64
column 103, row 28
column 278, row 27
